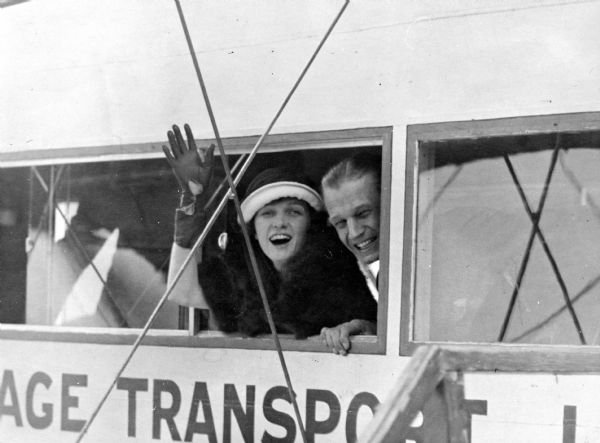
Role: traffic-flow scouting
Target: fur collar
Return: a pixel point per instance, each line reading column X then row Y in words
column 321, row 286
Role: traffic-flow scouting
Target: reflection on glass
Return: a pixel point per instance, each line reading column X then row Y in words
column 483, row 272
column 98, row 237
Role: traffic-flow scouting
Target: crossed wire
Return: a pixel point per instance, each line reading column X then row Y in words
column 212, row 219
column 595, row 208
column 121, row 317
column 536, row 231
column 534, row 217
column 212, row 198
column 114, row 307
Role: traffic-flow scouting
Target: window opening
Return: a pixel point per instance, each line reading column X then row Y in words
column 115, row 246
column 504, row 237
column 109, row 202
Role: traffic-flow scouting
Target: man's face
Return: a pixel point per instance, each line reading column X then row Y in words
column 353, row 210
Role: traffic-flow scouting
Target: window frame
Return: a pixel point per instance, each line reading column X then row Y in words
column 473, row 129
column 344, row 138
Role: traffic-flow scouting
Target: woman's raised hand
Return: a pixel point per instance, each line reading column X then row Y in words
column 193, row 167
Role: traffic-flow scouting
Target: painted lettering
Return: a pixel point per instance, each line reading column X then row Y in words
column 206, row 427
column 323, row 413
column 359, row 400
column 277, row 417
column 9, row 406
column 165, row 413
column 69, row 401
column 244, row 419
column 44, row 420
column 327, row 425
column 132, row 386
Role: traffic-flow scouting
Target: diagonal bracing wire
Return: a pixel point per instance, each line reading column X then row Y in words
column 249, row 247
column 212, row 198
column 441, row 191
column 122, row 317
column 546, row 248
column 532, row 234
column 585, row 290
column 215, row 194
column 209, row 224
column 535, row 219
column 110, row 297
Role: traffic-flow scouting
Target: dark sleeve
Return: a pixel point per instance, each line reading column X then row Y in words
column 218, row 286
column 230, row 293
column 325, row 288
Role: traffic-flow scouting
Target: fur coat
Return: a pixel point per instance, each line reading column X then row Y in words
column 321, row 286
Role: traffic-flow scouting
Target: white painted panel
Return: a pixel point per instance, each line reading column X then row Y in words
column 83, row 75
column 345, row 377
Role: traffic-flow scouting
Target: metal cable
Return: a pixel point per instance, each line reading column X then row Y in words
column 587, row 288
column 122, row 320
column 214, row 196
column 110, row 297
column 249, row 247
column 535, row 217
column 211, row 221
column 535, row 222
column 440, row 192
column 527, row 253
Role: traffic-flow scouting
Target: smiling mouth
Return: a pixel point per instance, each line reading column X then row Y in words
column 365, row 244
column 280, row 239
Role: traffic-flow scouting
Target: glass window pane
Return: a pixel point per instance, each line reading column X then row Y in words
column 93, row 241
column 476, row 248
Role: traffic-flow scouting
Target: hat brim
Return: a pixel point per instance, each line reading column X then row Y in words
column 275, row 191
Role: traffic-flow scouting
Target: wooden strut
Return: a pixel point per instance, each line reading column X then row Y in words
column 435, row 369
column 211, row 221
column 430, row 375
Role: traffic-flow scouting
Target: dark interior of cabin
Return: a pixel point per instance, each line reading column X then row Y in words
column 91, row 201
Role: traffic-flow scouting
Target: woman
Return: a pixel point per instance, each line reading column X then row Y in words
column 310, row 280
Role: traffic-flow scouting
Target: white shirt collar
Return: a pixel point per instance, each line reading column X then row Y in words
column 374, row 267
column 374, row 270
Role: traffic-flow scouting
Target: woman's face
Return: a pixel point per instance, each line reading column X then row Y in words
column 280, row 228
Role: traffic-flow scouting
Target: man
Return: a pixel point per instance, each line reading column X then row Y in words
column 351, row 192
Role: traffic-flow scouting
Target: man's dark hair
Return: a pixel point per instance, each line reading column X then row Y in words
column 352, row 168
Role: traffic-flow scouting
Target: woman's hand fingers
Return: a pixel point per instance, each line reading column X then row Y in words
column 180, row 141
column 191, row 143
column 192, row 167
column 174, row 145
column 168, row 154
